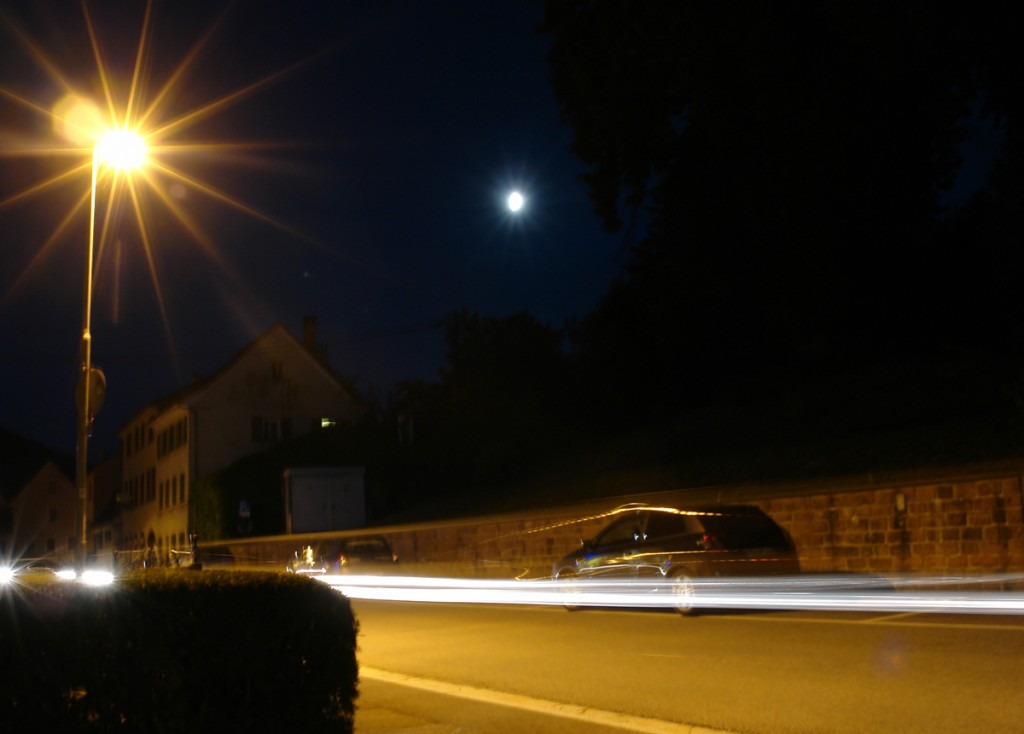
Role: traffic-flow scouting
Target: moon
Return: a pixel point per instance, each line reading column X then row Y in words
column 515, row 201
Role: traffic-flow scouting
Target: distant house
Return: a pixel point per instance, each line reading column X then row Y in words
column 275, row 389
column 43, row 517
column 25, row 465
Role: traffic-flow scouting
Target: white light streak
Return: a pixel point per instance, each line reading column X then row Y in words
column 97, row 578
column 835, row 593
column 91, row 577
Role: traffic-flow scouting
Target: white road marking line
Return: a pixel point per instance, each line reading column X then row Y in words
column 887, row 622
column 539, row 705
column 888, row 617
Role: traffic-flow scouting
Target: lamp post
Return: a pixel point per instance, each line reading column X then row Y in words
column 121, row 150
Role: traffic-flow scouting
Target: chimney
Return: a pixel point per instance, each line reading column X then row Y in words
column 309, row 333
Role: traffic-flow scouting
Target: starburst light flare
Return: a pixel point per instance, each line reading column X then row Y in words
column 122, row 149
column 129, row 135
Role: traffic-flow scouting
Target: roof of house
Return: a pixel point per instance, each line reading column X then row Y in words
column 21, row 459
column 200, row 384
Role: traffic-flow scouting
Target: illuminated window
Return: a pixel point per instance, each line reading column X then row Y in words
column 328, row 423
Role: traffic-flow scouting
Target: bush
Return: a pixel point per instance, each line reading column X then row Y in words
column 178, row 651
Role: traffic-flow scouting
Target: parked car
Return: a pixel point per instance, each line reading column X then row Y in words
column 665, row 545
column 307, row 561
column 366, row 554
column 35, row 566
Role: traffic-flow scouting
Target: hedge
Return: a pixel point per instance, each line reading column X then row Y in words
column 178, row 651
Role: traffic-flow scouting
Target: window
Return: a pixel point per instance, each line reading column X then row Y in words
column 53, row 515
column 746, row 531
column 618, row 532
column 172, row 437
column 270, row 430
column 665, row 524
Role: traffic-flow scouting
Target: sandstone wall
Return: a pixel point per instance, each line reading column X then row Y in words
column 967, row 526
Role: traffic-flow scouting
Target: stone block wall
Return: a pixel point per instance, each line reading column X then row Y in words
column 968, row 527
column 963, row 527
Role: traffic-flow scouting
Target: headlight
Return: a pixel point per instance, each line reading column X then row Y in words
column 97, row 578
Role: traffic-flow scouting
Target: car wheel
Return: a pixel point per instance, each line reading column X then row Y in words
column 683, row 589
column 570, row 586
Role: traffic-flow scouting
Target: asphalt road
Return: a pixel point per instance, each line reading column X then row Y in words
column 430, row 668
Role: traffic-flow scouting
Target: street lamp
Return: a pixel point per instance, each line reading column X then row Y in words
column 121, row 150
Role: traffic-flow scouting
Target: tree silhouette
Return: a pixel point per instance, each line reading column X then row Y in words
column 789, row 163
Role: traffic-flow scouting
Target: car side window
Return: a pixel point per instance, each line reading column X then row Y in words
column 620, row 531
column 669, row 524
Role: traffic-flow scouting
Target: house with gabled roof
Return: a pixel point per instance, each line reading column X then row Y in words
column 275, row 389
column 44, row 517
column 38, row 502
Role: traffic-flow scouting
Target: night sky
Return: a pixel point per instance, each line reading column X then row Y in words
column 367, row 160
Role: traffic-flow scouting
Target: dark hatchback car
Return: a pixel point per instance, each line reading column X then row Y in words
column 366, row 554
column 664, row 545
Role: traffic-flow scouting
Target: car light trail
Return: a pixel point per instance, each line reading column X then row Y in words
column 89, row 577
column 835, row 593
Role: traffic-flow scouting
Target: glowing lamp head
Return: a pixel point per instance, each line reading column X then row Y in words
column 121, row 149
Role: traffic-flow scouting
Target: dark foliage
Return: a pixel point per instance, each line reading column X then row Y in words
column 178, row 652
column 500, row 410
column 798, row 170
